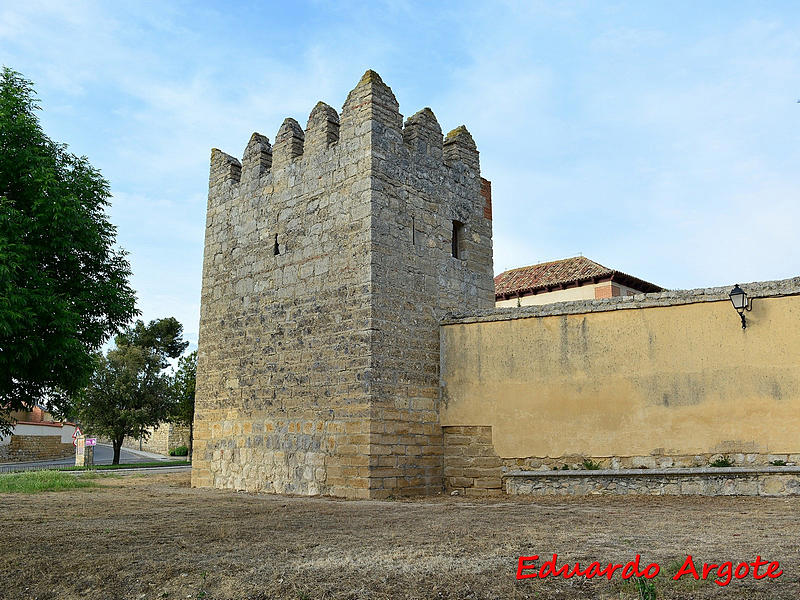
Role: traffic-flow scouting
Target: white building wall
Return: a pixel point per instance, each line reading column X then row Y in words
column 64, row 431
column 584, row 292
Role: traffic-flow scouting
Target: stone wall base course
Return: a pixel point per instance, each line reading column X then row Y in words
column 731, row 481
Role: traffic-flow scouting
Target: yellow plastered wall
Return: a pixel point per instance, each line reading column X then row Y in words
column 670, row 380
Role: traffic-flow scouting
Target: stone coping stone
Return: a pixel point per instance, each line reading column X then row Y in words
column 757, row 289
column 656, row 472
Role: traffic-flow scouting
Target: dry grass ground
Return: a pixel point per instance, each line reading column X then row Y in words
column 154, row 537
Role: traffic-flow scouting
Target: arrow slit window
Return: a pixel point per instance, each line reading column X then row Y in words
column 457, row 239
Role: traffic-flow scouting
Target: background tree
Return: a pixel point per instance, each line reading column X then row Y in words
column 129, row 390
column 183, row 389
column 63, row 286
column 127, row 393
column 163, row 336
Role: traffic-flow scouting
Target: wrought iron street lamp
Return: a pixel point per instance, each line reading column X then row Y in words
column 740, row 303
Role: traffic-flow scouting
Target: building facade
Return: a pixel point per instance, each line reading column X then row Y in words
column 565, row 280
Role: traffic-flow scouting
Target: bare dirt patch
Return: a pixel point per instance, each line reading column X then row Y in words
column 155, row 537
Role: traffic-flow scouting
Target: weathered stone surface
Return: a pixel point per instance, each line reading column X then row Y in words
column 257, row 159
column 34, row 447
column 470, row 460
column 328, row 265
column 161, row 439
column 650, row 462
column 731, row 481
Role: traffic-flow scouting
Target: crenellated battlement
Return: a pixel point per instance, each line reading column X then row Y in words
column 371, row 101
column 224, row 167
column 257, row 159
column 330, row 256
column 459, row 145
column 322, row 129
column 422, row 134
column 289, row 143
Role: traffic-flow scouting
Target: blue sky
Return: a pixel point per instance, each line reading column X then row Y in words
column 662, row 140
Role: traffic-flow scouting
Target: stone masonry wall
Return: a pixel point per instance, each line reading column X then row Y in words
column 162, row 439
column 421, row 185
column 282, row 402
column 35, row 447
column 471, row 466
column 768, row 481
column 654, row 461
column 327, row 266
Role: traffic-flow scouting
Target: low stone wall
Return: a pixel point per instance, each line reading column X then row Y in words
column 162, row 439
column 732, row 481
column 673, row 461
column 35, row 447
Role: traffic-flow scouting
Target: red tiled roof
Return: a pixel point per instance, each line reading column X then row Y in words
column 44, row 423
column 557, row 273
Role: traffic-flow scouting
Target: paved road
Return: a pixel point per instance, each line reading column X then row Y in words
column 103, row 455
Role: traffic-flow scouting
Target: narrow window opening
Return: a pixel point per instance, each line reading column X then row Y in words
column 458, row 234
column 413, row 232
column 276, row 250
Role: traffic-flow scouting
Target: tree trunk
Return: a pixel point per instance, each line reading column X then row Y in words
column 191, row 436
column 117, row 444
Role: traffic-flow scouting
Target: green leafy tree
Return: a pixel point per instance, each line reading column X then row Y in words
column 163, row 336
column 130, row 391
column 63, row 286
column 127, row 393
column 183, row 384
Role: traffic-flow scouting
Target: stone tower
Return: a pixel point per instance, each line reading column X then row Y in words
column 329, row 259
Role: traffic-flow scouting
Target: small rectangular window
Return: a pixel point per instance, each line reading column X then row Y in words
column 458, row 235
